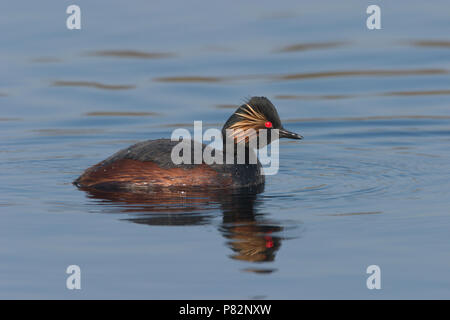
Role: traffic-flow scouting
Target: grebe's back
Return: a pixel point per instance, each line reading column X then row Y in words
column 148, row 165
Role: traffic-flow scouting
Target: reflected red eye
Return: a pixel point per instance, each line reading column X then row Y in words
column 268, row 124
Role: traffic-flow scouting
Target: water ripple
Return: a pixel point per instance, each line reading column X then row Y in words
column 91, row 84
column 131, row 54
column 310, row 46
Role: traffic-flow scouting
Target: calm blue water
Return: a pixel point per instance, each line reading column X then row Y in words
column 369, row 184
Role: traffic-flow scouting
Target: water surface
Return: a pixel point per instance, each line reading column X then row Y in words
column 369, row 184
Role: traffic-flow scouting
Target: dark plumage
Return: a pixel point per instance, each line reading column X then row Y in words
column 148, row 165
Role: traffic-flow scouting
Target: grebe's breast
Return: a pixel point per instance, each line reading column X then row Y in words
column 149, row 165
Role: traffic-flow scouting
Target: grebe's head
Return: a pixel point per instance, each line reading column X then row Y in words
column 256, row 114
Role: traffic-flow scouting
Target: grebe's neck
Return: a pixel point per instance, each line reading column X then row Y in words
column 235, row 152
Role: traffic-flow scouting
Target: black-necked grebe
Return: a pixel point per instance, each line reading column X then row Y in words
column 148, row 165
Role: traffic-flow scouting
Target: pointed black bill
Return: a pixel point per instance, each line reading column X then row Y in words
column 290, row 135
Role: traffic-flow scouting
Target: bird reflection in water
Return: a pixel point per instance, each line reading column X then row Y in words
column 251, row 236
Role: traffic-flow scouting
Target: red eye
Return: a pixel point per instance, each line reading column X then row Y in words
column 268, row 124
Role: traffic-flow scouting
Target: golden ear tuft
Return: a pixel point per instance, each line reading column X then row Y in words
column 248, row 127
